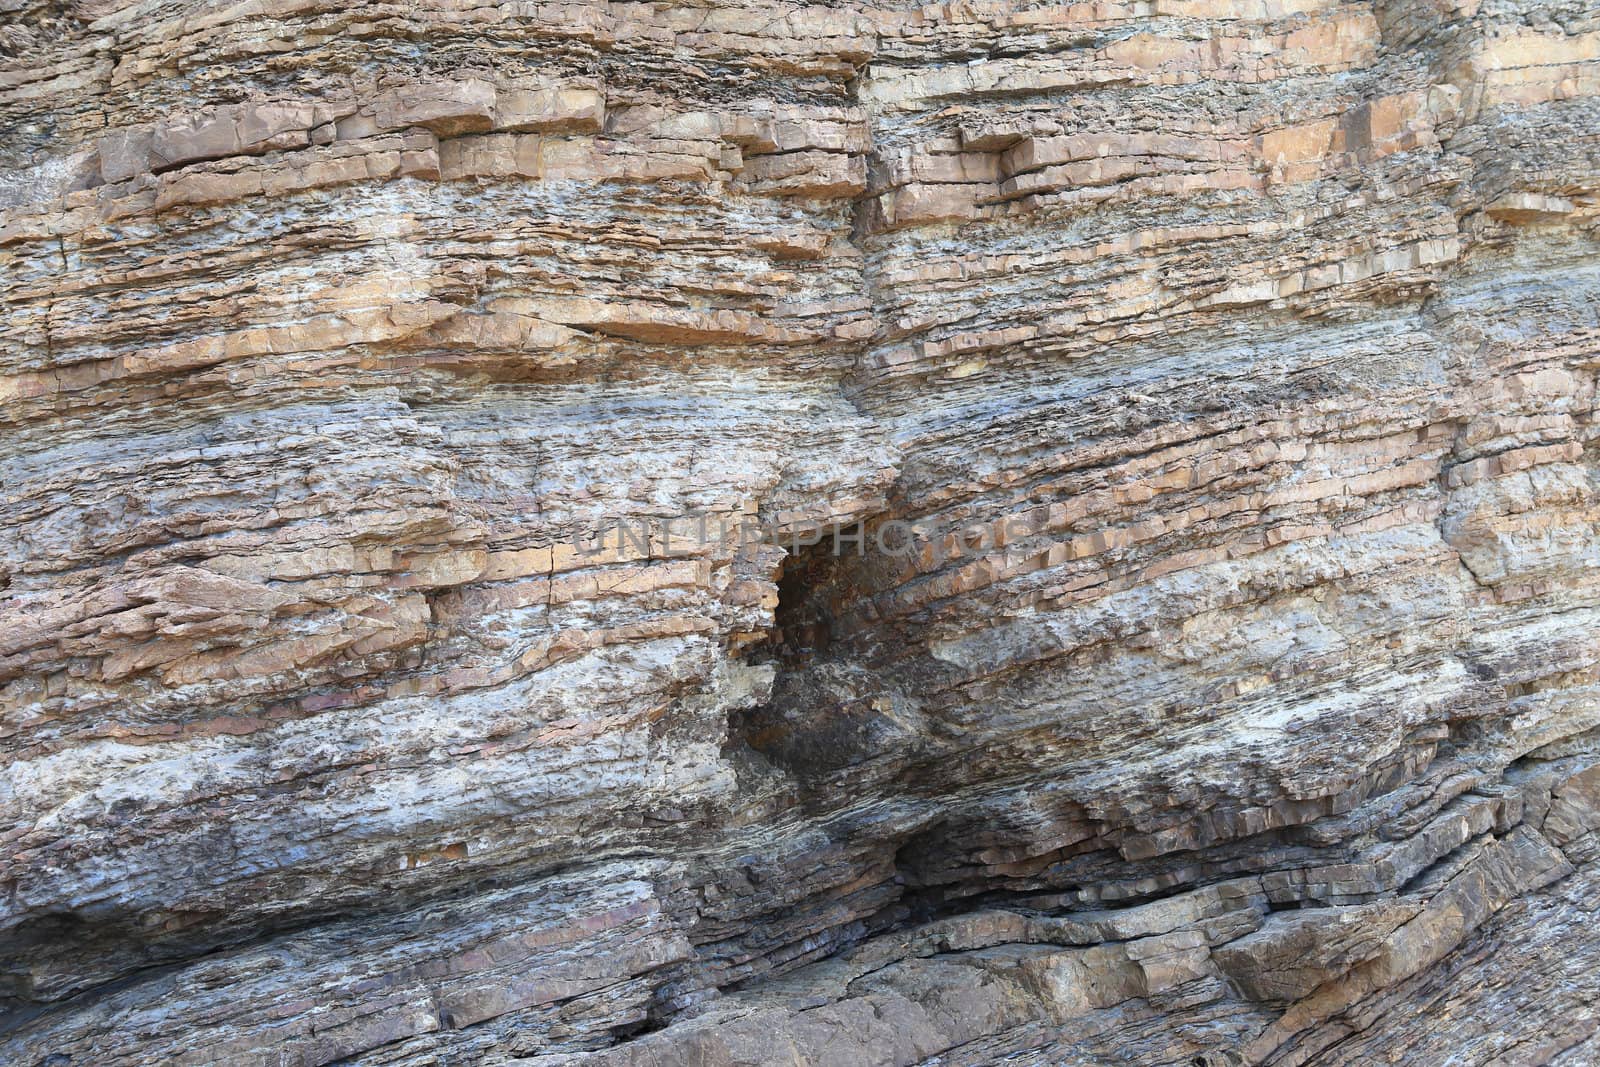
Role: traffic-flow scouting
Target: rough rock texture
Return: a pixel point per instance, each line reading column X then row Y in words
column 1237, row 702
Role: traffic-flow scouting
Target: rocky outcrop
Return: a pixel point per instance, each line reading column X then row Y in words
column 640, row 534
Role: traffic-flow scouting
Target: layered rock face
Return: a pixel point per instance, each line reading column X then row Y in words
column 1171, row 628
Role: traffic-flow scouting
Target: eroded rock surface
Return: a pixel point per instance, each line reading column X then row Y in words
column 1230, row 366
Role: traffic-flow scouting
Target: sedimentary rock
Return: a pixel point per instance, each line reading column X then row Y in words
column 608, row 533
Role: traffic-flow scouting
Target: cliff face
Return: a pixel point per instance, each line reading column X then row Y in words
column 1171, row 633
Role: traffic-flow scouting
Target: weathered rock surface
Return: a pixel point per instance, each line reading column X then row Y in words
column 1230, row 366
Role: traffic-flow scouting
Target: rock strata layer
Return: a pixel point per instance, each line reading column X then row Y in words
column 1175, row 634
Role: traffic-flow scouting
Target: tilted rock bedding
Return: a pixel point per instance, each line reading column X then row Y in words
column 1172, row 630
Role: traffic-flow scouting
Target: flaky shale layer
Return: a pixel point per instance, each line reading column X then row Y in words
column 1176, row 634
